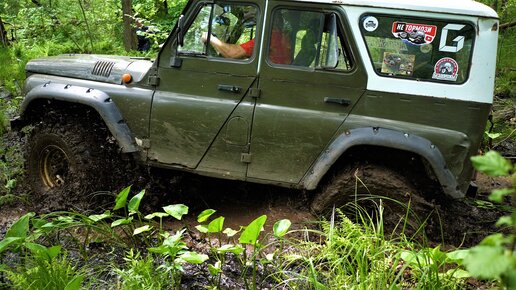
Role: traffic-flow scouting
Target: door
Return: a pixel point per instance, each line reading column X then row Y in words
column 199, row 90
column 304, row 97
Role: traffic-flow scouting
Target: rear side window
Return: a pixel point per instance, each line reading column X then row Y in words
column 310, row 39
column 422, row 49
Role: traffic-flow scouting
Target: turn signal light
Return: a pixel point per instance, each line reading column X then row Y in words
column 127, row 78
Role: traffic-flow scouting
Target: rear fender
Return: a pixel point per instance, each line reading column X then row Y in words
column 385, row 138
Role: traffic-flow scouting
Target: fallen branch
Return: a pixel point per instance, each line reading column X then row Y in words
column 507, row 25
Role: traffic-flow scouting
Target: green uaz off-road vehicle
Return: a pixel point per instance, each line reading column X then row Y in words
column 395, row 93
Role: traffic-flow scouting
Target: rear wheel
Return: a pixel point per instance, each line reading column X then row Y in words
column 364, row 185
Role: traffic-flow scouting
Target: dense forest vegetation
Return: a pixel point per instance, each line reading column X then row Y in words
column 115, row 249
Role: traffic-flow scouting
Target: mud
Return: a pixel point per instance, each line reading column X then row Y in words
column 454, row 222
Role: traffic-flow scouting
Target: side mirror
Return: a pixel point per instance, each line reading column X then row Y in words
column 180, row 30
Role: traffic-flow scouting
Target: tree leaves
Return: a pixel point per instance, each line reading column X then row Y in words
column 492, row 164
column 176, row 210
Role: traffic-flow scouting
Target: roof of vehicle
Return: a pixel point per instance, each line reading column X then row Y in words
column 462, row 7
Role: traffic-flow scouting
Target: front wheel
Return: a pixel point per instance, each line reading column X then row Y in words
column 71, row 158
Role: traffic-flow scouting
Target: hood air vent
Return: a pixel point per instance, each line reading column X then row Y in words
column 102, row 68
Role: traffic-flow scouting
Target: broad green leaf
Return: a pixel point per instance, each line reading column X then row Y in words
column 494, row 240
column 6, row 242
column 121, row 222
column 498, row 194
column 504, row 221
column 176, row 210
column 134, row 203
column 39, row 250
column 121, row 198
column 230, row 232
column 214, row 269
column 486, row 262
column 172, row 241
column 202, row 228
column 53, row 252
column 194, row 258
column 216, row 225
column 20, row 228
column 281, row 227
column 99, row 217
column 204, row 215
column 230, row 248
column 458, row 273
column 492, row 164
column 38, row 223
column 457, row 256
column 158, row 250
column 414, row 259
column 252, row 231
column 156, row 214
column 140, row 230
column 75, row 283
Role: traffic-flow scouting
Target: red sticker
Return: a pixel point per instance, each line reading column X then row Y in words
column 446, row 69
column 414, row 33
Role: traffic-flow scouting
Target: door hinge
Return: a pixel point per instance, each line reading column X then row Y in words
column 246, row 157
column 153, row 80
column 255, row 93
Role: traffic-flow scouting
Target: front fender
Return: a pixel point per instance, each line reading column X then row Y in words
column 385, row 138
column 96, row 99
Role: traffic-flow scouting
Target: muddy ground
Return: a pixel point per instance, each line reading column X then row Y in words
column 454, row 223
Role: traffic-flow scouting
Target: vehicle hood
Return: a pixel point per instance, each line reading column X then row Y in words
column 102, row 68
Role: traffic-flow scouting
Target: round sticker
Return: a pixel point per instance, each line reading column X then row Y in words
column 370, row 23
column 425, row 48
column 446, row 69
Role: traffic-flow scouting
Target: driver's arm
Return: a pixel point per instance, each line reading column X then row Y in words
column 227, row 50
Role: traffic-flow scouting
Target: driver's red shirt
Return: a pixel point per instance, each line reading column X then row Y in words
column 280, row 51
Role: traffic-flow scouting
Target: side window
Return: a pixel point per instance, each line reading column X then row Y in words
column 308, row 39
column 230, row 23
column 422, row 49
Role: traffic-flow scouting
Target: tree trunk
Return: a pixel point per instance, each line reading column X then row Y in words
column 3, row 33
column 129, row 32
column 165, row 6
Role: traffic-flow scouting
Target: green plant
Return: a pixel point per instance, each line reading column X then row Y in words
column 43, row 267
column 494, row 258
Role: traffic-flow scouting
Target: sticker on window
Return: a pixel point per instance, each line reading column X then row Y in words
column 446, row 69
column 398, row 64
column 370, row 23
column 414, row 33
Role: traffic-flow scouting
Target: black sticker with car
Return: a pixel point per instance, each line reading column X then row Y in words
column 414, row 33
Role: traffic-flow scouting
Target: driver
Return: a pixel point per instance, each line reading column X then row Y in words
column 280, row 50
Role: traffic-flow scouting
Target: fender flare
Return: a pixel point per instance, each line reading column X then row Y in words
column 96, row 99
column 385, row 138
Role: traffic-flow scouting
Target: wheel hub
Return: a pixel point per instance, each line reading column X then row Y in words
column 53, row 166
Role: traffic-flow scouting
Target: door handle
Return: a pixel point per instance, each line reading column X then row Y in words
column 230, row 88
column 340, row 101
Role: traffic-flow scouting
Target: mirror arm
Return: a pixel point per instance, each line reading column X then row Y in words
column 175, row 60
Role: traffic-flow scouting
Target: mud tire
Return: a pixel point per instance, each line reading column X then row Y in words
column 367, row 184
column 68, row 157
